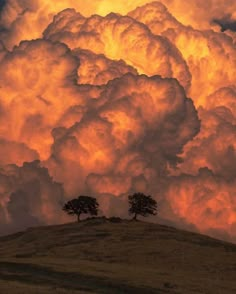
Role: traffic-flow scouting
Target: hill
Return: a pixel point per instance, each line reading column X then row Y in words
column 115, row 256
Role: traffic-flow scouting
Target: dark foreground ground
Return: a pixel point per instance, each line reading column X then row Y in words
column 100, row 256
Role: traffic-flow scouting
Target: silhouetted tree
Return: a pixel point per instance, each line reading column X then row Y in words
column 141, row 204
column 82, row 205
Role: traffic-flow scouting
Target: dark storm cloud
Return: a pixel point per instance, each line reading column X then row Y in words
column 2, row 3
column 31, row 192
column 226, row 23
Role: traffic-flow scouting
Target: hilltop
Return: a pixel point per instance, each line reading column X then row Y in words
column 115, row 256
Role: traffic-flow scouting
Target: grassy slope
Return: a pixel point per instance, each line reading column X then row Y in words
column 98, row 256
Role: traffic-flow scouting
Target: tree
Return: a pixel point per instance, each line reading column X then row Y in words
column 140, row 204
column 82, row 205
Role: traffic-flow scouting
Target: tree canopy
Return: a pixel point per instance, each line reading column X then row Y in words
column 141, row 204
column 82, row 205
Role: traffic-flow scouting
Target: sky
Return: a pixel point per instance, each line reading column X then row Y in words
column 107, row 99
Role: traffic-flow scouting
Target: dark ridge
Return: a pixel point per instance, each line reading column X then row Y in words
column 114, row 255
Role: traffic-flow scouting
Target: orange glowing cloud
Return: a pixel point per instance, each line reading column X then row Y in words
column 34, row 81
column 135, row 115
column 97, row 69
column 109, row 98
column 209, row 54
column 149, row 54
column 25, row 20
column 208, row 198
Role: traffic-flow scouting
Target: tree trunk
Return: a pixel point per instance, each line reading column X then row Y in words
column 78, row 218
column 135, row 216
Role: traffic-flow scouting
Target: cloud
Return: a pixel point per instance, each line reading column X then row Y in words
column 226, row 23
column 25, row 20
column 149, row 54
column 199, row 14
column 156, row 16
column 2, row 3
column 215, row 146
column 97, row 69
column 15, row 153
column 206, row 201
column 32, row 97
column 208, row 54
column 29, row 196
column 139, row 126
column 103, row 103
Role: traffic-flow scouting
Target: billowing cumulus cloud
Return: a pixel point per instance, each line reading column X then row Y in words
column 215, row 145
column 97, row 69
column 209, row 55
column 139, row 126
column 199, row 14
column 206, row 197
column 149, row 54
column 32, row 81
column 156, row 16
column 24, row 19
column 108, row 98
